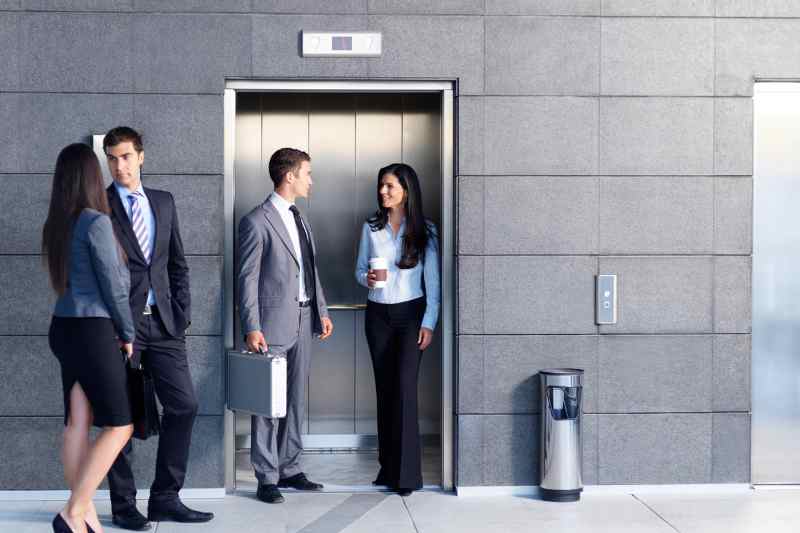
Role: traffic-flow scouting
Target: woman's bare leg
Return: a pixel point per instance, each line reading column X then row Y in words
column 94, row 466
column 76, row 434
column 76, row 446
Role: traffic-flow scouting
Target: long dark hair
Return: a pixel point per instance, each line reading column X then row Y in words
column 77, row 185
column 416, row 236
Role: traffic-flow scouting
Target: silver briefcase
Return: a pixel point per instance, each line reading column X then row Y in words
column 257, row 383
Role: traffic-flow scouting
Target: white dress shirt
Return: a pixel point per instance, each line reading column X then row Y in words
column 283, row 205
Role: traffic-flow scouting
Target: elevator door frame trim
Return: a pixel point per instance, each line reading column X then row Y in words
column 447, row 91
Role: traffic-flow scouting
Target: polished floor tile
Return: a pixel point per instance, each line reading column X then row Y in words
column 243, row 513
column 594, row 513
column 24, row 517
column 435, row 512
column 756, row 511
column 389, row 516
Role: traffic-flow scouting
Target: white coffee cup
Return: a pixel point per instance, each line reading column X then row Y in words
column 380, row 266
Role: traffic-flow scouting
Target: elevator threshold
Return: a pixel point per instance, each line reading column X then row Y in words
column 337, row 489
column 343, row 471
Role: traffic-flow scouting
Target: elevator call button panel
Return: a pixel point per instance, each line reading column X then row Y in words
column 606, row 299
column 342, row 44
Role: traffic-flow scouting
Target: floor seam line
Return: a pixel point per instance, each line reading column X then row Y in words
column 344, row 514
column 408, row 511
column 635, row 497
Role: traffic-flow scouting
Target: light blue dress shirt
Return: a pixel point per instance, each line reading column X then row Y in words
column 403, row 284
column 149, row 221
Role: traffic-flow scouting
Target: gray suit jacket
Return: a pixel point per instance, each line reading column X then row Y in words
column 269, row 278
column 99, row 281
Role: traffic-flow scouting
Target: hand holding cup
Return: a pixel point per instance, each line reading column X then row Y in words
column 378, row 273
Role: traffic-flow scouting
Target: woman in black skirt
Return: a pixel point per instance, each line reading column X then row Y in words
column 402, row 310
column 91, row 325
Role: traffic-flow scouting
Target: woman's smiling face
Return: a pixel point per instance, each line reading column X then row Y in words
column 392, row 193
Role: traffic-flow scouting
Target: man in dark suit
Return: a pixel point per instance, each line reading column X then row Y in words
column 146, row 224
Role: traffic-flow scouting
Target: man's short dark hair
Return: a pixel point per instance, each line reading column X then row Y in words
column 122, row 134
column 285, row 160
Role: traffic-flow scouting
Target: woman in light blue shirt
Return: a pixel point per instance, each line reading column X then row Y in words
column 400, row 318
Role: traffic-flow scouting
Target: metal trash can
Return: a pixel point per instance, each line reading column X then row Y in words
column 561, row 446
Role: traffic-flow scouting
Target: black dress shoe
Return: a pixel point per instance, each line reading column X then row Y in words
column 299, row 482
column 404, row 492
column 131, row 519
column 381, row 479
column 176, row 511
column 269, row 494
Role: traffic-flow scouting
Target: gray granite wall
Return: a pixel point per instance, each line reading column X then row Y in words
column 609, row 136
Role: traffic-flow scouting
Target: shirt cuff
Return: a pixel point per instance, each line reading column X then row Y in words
column 429, row 323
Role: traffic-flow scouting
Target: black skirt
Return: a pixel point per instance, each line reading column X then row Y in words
column 89, row 354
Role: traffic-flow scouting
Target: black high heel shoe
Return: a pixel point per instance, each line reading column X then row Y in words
column 381, row 479
column 60, row 525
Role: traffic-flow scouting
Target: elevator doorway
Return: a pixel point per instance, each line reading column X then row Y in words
column 349, row 134
column 776, row 287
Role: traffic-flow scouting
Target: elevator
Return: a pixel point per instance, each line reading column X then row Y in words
column 776, row 286
column 350, row 132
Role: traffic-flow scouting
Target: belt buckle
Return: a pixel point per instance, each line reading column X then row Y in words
column 147, row 310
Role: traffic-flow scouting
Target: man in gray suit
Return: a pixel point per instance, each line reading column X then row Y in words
column 281, row 304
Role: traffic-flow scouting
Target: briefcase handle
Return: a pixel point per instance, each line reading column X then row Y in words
column 128, row 361
column 268, row 353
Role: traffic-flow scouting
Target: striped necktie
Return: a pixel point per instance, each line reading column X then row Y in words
column 139, row 227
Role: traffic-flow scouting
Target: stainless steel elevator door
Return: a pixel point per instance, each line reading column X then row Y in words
column 776, row 285
column 349, row 137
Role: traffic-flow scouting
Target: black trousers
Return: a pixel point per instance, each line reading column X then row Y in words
column 392, row 332
column 164, row 357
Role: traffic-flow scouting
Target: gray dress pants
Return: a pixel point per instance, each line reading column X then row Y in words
column 276, row 443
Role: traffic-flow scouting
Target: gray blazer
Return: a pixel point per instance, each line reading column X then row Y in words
column 269, row 277
column 98, row 281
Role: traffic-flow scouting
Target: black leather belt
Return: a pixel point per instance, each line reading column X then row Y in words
column 307, row 303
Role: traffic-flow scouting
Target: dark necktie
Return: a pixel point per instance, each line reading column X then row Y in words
column 306, row 252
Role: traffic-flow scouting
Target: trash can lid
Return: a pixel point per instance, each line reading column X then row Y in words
column 562, row 371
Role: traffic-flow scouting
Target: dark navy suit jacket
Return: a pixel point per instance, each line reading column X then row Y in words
column 167, row 274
